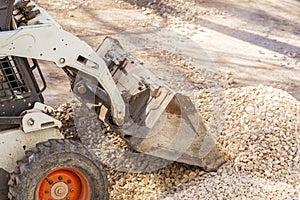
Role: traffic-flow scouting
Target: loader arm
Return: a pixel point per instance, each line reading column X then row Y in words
column 44, row 39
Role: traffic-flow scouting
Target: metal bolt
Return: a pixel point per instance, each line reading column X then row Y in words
column 62, row 60
column 59, row 191
column 47, row 191
column 81, row 89
column 72, row 190
column 50, row 182
column 68, row 198
column 60, row 178
column 69, row 181
column 30, row 122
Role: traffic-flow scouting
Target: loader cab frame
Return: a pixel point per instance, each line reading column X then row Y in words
column 19, row 89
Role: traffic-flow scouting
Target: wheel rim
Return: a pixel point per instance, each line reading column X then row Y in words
column 64, row 184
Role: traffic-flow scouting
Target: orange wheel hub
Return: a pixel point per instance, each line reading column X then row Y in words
column 64, row 184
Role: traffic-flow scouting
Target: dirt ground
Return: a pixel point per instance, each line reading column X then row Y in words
column 249, row 42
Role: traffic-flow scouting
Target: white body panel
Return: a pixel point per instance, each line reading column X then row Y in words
column 37, row 126
column 14, row 142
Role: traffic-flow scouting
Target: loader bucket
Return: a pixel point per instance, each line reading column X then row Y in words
column 159, row 121
column 178, row 134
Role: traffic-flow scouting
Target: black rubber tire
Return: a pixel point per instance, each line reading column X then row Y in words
column 53, row 155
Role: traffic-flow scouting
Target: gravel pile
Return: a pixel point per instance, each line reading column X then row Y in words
column 261, row 134
column 64, row 5
column 164, row 7
column 260, row 141
column 179, row 12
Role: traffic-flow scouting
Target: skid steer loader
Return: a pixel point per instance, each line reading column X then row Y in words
column 36, row 161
